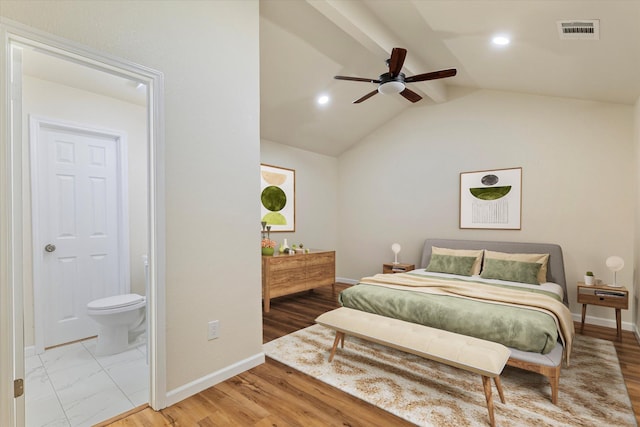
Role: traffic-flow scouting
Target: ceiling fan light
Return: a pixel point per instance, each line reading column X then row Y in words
column 390, row 88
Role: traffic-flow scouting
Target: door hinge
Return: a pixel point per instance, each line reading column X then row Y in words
column 18, row 387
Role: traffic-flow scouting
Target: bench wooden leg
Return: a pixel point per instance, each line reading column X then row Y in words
column 499, row 387
column 486, row 382
column 339, row 338
column 554, row 380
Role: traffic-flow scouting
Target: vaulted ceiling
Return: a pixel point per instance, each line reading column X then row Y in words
column 303, row 44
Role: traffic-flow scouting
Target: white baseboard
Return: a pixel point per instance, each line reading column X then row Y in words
column 599, row 321
column 176, row 395
column 347, row 281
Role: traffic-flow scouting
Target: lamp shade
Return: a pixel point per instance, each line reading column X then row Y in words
column 396, row 248
column 615, row 264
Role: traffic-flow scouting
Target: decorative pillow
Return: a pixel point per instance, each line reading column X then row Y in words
column 460, row 265
column 513, row 271
column 541, row 259
column 477, row 253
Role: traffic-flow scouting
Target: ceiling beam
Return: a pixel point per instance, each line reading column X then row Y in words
column 363, row 25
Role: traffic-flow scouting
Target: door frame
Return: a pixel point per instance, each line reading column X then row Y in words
column 36, row 123
column 11, row 210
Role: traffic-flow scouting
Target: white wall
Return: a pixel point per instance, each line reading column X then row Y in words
column 59, row 102
column 401, row 184
column 212, row 157
column 316, row 194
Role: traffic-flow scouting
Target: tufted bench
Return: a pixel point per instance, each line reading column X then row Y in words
column 471, row 354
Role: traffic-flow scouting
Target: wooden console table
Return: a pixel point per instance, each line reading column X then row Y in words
column 284, row 274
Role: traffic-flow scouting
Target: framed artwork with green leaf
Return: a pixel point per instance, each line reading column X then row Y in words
column 491, row 199
column 278, row 197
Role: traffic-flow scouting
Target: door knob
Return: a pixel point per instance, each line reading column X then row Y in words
column 50, row 248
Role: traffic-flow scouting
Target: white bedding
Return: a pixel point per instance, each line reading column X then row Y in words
column 548, row 286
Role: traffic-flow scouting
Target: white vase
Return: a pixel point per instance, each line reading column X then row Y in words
column 588, row 280
column 283, row 246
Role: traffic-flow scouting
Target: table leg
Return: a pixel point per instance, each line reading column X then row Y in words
column 619, row 323
column 584, row 312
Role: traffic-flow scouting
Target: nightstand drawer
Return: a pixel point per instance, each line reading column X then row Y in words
column 604, row 300
column 603, row 296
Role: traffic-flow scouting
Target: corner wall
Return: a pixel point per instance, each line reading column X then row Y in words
column 316, row 194
column 401, row 184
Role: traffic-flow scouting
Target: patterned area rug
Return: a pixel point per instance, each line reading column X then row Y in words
column 426, row 393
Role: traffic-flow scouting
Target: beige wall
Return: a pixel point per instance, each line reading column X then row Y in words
column 58, row 102
column 636, row 279
column 212, row 157
column 316, row 194
column 401, row 184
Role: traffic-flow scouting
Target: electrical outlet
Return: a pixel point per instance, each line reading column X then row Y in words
column 213, row 330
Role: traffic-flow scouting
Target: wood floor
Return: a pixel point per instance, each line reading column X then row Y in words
column 275, row 395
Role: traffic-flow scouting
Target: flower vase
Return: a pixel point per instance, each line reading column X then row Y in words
column 267, row 251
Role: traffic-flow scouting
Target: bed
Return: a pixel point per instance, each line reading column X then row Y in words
column 467, row 293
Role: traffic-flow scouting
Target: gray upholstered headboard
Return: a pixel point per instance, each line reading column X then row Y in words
column 555, row 269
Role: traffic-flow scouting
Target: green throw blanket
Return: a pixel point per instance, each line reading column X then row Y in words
column 528, row 320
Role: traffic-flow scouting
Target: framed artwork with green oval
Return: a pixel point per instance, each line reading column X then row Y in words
column 491, row 199
column 277, row 197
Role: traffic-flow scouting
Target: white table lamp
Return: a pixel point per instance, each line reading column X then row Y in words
column 396, row 248
column 615, row 264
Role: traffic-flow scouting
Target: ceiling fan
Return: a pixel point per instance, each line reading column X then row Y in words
column 394, row 81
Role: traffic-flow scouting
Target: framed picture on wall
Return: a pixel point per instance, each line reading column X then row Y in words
column 491, row 199
column 278, row 197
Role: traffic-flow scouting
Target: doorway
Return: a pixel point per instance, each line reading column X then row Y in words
column 15, row 160
column 79, row 192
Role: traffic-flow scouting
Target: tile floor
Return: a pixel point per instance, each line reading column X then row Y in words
column 69, row 386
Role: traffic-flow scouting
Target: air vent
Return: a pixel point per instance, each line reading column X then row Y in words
column 584, row 29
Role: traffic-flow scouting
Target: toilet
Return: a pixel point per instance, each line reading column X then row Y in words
column 120, row 317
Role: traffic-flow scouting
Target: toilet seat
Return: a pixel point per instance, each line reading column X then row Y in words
column 116, row 303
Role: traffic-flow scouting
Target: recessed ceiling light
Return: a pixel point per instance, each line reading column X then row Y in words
column 323, row 99
column 501, row 40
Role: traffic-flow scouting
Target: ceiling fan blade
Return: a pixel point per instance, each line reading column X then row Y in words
column 431, row 76
column 396, row 61
column 410, row 95
column 367, row 96
column 357, row 79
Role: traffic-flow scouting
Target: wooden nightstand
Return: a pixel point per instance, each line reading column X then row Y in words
column 605, row 296
column 390, row 267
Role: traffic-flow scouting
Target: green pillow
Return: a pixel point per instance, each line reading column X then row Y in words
column 512, row 271
column 460, row 265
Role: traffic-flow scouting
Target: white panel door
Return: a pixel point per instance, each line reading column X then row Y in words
column 78, row 215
